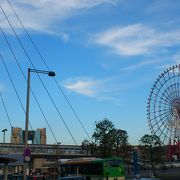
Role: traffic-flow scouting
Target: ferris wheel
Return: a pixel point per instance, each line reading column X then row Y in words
column 163, row 107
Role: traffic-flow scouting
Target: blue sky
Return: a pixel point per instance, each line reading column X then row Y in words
column 106, row 55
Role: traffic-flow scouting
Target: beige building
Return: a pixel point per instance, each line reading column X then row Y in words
column 16, row 136
column 34, row 137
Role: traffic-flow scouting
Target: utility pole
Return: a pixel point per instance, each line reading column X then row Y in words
column 27, row 151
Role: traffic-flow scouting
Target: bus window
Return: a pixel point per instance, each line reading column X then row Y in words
column 113, row 163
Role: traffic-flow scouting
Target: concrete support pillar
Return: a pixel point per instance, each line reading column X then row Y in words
column 38, row 163
column 5, row 171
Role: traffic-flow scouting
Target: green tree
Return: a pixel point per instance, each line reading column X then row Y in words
column 104, row 139
column 108, row 141
column 151, row 149
column 90, row 147
column 121, row 147
column 85, row 143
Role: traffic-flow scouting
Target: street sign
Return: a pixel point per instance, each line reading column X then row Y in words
column 27, row 152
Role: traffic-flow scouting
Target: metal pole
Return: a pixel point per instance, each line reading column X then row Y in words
column 3, row 136
column 26, row 123
column 5, row 171
column 50, row 73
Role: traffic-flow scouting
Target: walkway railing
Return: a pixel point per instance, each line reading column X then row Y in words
column 66, row 150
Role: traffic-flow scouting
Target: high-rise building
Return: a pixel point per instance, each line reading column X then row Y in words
column 42, row 135
column 16, row 135
column 34, row 137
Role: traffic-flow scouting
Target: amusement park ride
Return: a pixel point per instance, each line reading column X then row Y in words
column 163, row 110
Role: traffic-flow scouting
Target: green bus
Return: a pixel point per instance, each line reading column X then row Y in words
column 93, row 168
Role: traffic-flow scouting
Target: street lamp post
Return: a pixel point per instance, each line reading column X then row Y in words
column 26, row 149
column 4, row 134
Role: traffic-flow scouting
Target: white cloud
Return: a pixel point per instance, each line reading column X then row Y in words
column 82, row 86
column 138, row 65
column 41, row 15
column 146, row 63
column 102, row 89
column 136, row 39
column 106, row 89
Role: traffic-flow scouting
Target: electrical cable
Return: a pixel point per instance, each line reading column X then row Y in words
column 6, row 110
column 19, row 66
column 40, row 55
column 14, row 87
column 7, row 115
column 38, row 74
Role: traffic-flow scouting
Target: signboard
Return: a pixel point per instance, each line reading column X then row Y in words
column 27, row 153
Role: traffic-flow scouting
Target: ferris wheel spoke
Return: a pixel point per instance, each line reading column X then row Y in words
column 162, row 123
column 155, row 94
column 169, row 76
column 160, row 101
column 161, row 98
column 159, row 115
column 166, row 133
column 178, row 79
column 158, row 128
column 172, row 84
column 173, row 91
column 162, row 131
column 171, row 131
column 164, row 97
column 177, row 89
column 158, row 91
column 169, row 95
column 168, row 130
column 170, row 79
column 176, row 75
column 159, row 105
column 170, row 91
column 158, row 111
column 165, row 136
column 157, row 122
column 167, row 90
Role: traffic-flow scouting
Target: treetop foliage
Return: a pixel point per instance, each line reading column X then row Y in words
column 108, row 141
